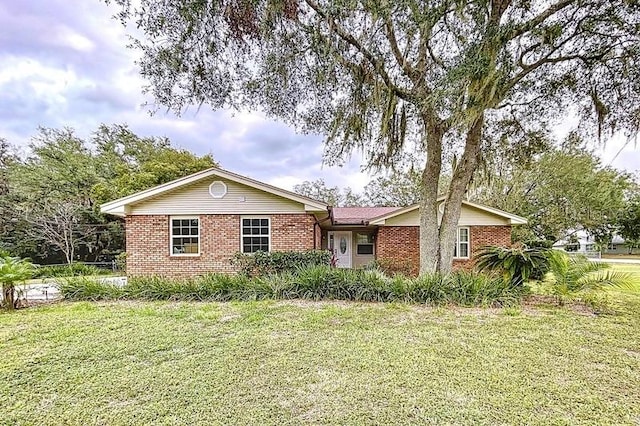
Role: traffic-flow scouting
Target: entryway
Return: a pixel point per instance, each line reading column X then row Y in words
column 340, row 245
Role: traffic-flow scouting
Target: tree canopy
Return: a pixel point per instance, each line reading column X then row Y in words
column 629, row 222
column 334, row 196
column 386, row 78
column 50, row 199
column 558, row 189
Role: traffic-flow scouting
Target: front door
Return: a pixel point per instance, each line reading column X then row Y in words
column 340, row 245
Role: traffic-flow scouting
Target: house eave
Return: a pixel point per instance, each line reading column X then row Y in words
column 511, row 218
column 116, row 207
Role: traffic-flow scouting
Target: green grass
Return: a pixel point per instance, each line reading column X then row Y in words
column 269, row 362
column 630, row 268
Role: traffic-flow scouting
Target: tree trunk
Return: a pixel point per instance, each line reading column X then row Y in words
column 8, row 296
column 69, row 248
column 453, row 203
column 428, row 201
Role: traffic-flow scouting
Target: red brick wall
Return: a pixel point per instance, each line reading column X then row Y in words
column 398, row 247
column 148, row 243
column 291, row 232
column 484, row 236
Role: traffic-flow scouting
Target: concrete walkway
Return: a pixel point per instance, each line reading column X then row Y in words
column 47, row 289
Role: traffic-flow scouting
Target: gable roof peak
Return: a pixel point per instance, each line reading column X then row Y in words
column 118, row 207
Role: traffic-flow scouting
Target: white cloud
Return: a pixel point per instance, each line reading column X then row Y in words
column 65, row 36
column 621, row 152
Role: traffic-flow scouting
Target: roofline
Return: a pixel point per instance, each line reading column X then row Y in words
column 514, row 219
column 402, row 210
column 118, row 207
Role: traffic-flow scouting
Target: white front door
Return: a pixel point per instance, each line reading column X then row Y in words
column 340, row 245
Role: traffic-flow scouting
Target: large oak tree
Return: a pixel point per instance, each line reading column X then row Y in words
column 386, row 77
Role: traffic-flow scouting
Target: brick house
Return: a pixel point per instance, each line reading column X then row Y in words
column 196, row 224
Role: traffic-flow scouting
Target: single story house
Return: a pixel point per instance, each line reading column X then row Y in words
column 196, row 224
column 581, row 242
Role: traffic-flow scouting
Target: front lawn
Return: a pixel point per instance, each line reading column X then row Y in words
column 633, row 269
column 294, row 362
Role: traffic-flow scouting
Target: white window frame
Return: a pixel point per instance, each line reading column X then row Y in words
column 171, row 236
column 224, row 185
column 251, row 235
column 459, row 243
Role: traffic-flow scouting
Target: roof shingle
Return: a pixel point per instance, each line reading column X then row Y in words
column 358, row 215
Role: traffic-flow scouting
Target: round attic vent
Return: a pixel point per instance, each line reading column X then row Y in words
column 218, row 189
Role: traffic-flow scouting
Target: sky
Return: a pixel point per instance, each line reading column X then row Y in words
column 65, row 63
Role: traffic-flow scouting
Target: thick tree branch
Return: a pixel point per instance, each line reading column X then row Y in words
column 377, row 63
column 402, row 61
column 539, row 19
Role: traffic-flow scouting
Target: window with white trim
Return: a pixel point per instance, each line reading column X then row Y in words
column 364, row 243
column 255, row 234
column 461, row 250
column 185, row 236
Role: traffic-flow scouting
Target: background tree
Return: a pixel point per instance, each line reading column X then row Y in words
column 395, row 189
column 50, row 204
column 61, row 226
column 334, row 196
column 128, row 163
column 55, row 179
column 629, row 223
column 399, row 188
column 7, row 159
column 558, row 189
column 386, row 77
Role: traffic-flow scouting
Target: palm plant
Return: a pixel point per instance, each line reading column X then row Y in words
column 517, row 264
column 13, row 270
column 571, row 275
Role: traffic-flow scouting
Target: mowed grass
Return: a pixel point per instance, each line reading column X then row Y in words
column 318, row 363
column 628, row 268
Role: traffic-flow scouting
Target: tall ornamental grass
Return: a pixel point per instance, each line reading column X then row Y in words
column 312, row 283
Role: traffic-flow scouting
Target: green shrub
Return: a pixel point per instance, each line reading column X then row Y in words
column 87, row 288
column 71, row 270
column 322, row 282
column 275, row 262
column 518, row 264
column 121, row 261
column 574, row 275
column 12, row 271
column 313, row 283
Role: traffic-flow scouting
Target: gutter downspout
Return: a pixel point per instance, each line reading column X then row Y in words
column 316, row 222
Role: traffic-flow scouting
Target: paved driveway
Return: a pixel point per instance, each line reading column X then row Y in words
column 47, row 289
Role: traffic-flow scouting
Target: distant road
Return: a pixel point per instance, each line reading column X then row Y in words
column 629, row 261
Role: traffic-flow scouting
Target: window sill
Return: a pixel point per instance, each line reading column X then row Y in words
column 184, row 255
